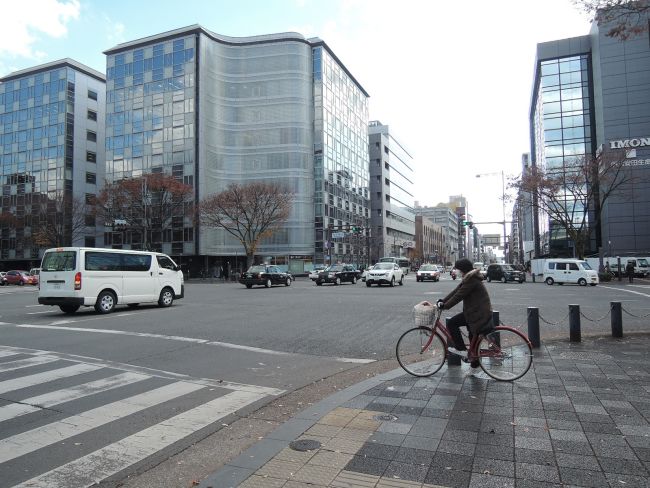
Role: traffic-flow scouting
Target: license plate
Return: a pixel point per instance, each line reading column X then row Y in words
column 57, row 286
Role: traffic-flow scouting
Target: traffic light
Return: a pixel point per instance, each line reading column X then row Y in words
column 468, row 223
column 356, row 229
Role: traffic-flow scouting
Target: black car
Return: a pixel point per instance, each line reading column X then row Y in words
column 338, row 273
column 504, row 273
column 265, row 275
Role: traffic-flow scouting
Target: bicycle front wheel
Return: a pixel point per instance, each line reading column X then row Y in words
column 420, row 352
column 505, row 354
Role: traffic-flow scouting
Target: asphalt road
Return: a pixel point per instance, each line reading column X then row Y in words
column 78, row 390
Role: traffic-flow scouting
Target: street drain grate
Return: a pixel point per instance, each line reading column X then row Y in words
column 385, row 418
column 304, row 445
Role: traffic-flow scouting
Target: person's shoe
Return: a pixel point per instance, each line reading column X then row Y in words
column 473, row 371
column 453, row 350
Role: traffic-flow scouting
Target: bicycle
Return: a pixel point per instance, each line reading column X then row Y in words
column 505, row 353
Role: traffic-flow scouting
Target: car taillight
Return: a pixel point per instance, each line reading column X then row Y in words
column 77, row 281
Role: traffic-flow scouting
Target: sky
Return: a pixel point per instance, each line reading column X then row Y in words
column 452, row 79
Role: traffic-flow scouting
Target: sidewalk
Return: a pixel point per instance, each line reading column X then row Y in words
column 580, row 417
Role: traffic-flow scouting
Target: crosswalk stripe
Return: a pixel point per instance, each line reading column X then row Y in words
column 39, row 378
column 68, row 394
column 26, row 442
column 26, row 363
column 94, row 467
column 4, row 354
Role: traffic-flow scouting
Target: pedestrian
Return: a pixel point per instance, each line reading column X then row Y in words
column 629, row 269
column 477, row 309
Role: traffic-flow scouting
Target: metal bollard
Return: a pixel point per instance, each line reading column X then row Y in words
column 496, row 322
column 617, row 319
column 533, row 327
column 452, row 359
column 574, row 323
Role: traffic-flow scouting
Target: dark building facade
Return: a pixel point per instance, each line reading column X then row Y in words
column 592, row 93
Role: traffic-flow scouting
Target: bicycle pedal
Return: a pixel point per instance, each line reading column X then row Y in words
column 465, row 360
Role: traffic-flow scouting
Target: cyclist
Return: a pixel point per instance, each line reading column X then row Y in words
column 477, row 309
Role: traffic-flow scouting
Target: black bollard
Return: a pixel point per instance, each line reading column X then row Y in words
column 533, row 327
column 574, row 323
column 496, row 322
column 452, row 359
column 617, row 319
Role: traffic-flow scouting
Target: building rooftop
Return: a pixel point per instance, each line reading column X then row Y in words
column 66, row 62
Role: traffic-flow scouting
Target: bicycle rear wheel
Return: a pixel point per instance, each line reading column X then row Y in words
column 505, row 354
column 420, row 352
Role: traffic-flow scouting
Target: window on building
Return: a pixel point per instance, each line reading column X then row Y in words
column 92, row 115
column 89, row 221
column 91, row 157
column 91, row 136
column 386, row 149
column 89, row 242
column 91, row 178
column 92, row 94
column 90, row 198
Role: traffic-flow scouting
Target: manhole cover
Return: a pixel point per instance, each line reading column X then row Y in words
column 385, row 418
column 304, row 445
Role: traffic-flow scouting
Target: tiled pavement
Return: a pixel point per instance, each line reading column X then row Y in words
column 580, row 417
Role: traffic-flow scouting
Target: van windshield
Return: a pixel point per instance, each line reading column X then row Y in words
column 642, row 262
column 59, row 261
column 585, row 265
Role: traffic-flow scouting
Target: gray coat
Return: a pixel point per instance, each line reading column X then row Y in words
column 476, row 301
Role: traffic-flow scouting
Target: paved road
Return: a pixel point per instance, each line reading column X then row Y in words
column 86, row 390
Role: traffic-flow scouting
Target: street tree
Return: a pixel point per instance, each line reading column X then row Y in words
column 250, row 212
column 145, row 207
column 573, row 196
column 60, row 219
column 623, row 18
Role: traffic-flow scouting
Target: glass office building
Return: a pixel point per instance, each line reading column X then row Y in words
column 51, row 159
column 591, row 94
column 213, row 110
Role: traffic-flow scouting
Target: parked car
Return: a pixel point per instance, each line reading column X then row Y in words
column 20, row 278
column 569, row 271
column 388, row 273
column 504, row 273
column 3, row 281
column 428, row 272
column 338, row 273
column 264, row 275
column 313, row 275
column 35, row 272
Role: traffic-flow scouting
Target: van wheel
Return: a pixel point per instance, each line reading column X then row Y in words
column 249, row 286
column 582, row 282
column 132, row 305
column 105, row 302
column 549, row 281
column 69, row 309
column 166, row 297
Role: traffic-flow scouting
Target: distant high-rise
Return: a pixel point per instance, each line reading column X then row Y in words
column 52, row 159
column 214, row 110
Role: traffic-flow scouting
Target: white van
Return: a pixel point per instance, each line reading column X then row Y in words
column 569, row 271
column 72, row 277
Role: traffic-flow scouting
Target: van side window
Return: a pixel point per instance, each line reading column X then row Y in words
column 102, row 261
column 573, row 267
column 165, row 262
column 136, row 262
column 561, row 266
column 551, row 265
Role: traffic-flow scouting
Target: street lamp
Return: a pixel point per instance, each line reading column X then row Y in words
column 503, row 201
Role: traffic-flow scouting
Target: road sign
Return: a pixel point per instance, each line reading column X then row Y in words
column 338, row 235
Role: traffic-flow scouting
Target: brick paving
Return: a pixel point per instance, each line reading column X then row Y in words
column 580, row 417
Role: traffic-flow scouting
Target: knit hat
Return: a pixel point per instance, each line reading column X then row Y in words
column 464, row 265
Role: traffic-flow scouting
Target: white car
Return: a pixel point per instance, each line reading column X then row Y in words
column 365, row 273
column 313, row 275
column 388, row 273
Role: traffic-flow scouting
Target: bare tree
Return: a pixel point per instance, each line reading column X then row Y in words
column 623, row 18
column 60, row 220
column 146, row 206
column 573, row 196
column 250, row 212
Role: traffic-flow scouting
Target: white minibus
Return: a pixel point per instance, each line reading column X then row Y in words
column 562, row 271
column 72, row 277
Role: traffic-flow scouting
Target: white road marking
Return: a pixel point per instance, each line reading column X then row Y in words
column 180, row 339
column 54, row 432
column 512, row 289
column 68, row 394
column 4, row 354
column 88, row 470
column 39, row 378
column 26, row 363
column 158, row 373
column 30, row 306
column 625, row 290
column 38, row 313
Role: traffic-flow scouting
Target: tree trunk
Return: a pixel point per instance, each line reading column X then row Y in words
column 249, row 259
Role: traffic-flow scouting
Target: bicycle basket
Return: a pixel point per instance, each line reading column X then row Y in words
column 423, row 315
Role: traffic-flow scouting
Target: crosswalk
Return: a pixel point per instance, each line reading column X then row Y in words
column 71, row 422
